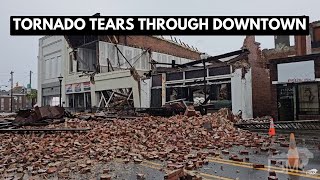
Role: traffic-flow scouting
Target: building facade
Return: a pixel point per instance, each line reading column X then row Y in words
column 100, row 72
column 294, row 76
column 19, row 100
column 295, row 87
column 115, row 71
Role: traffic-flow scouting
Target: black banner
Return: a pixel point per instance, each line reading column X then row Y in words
column 159, row 25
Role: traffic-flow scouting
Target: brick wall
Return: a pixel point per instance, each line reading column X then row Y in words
column 155, row 44
column 16, row 104
column 261, row 96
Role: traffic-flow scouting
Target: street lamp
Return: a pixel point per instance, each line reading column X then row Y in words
column 60, row 81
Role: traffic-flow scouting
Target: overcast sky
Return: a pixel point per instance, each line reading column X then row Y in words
column 19, row 53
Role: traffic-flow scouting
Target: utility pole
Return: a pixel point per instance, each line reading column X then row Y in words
column 11, row 91
column 30, row 79
column 30, row 89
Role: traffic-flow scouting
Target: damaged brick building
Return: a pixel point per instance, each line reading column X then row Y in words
column 150, row 71
column 294, row 76
column 98, row 71
column 110, row 71
column 242, row 76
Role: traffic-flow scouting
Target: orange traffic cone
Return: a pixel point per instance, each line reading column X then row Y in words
column 293, row 154
column 272, row 130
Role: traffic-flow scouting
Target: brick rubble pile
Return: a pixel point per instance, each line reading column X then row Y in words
column 179, row 141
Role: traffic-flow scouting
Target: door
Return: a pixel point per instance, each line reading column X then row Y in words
column 286, row 103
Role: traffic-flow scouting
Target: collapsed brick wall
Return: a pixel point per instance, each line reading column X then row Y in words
column 157, row 45
column 268, row 54
column 261, row 95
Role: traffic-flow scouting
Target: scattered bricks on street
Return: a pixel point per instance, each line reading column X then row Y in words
column 272, row 178
column 284, row 144
column 85, row 170
column 105, row 177
column 105, row 171
column 273, row 162
column 156, row 138
column 126, row 161
column 137, row 160
column 191, row 176
column 244, row 152
column 272, row 173
column 189, row 167
column 52, row 170
column 264, row 149
column 236, row 158
column 225, row 151
column 256, row 166
column 272, row 149
column 141, row 177
column 175, row 174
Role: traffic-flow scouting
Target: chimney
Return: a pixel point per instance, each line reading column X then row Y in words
column 300, row 45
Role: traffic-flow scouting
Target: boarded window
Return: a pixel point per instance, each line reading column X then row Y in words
column 156, row 98
column 174, row 76
column 157, row 80
column 219, row 71
column 195, row 74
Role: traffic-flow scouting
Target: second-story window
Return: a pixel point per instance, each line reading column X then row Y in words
column 70, row 63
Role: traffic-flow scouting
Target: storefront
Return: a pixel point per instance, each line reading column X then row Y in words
column 50, row 94
column 79, row 95
column 295, row 87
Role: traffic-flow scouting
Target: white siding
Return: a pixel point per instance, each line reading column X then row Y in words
column 52, row 56
column 47, row 69
column 145, row 93
column 134, row 56
column 53, row 68
column 59, row 65
column 241, row 93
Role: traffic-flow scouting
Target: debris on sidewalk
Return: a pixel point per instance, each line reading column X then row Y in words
column 179, row 141
column 40, row 116
column 263, row 119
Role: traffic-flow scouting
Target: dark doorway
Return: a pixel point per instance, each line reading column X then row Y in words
column 286, row 103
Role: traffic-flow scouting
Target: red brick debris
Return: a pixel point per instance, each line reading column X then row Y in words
column 179, row 141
